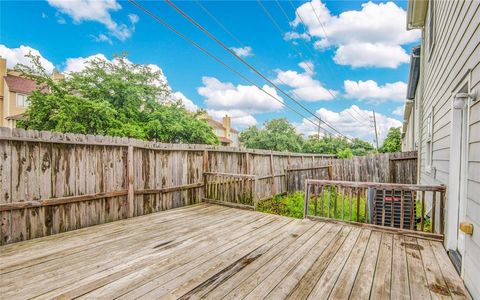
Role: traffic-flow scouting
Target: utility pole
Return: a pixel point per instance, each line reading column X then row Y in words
column 318, row 133
column 375, row 125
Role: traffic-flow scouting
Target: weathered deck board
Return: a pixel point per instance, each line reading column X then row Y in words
column 213, row 252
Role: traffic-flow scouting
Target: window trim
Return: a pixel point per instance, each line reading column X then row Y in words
column 25, row 100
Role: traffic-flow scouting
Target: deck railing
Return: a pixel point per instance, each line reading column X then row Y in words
column 399, row 207
column 237, row 190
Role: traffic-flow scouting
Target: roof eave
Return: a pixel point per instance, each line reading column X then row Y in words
column 416, row 13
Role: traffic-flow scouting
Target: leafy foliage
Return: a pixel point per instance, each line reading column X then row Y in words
column 393, row 141
column 115, row 98
column 292, row 206
column 280, row 135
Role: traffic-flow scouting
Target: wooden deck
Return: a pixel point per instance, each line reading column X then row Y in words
column 217, row 252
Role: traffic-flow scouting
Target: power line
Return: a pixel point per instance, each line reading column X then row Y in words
column 274, row 22
column 306, row 46
column 191, row 20
column 276, row 25
column 327, row 39
column 198, row 46
column 216, row 20
column 225, row 29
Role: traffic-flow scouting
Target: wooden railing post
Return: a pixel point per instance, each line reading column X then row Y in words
column 131, row 176
column 307, row 198
column 442, row 211
column 204, row 170
column 254, row 194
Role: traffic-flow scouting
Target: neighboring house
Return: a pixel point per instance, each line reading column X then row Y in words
column 442, row 119
column 14, row 91
column 227, row 135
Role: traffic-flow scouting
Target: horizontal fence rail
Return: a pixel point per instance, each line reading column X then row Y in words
column 399, row 207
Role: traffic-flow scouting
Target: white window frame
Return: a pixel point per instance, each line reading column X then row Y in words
column 429, row 144
column 25, row 102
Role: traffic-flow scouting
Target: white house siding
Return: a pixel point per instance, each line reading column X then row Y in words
column 456, row 54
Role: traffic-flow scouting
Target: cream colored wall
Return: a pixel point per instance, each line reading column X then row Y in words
column 14, row 109
column 1, row 111
column 5, row 108
column 9, row 107
column 455, row 56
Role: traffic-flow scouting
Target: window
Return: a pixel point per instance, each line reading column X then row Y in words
column 22, row 100
column 428, row 146
column 431, row 25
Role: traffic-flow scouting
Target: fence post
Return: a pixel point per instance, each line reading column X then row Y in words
column 246, row 169
column 272, row 171
column 131, row 175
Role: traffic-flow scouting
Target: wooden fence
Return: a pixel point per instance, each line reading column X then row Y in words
column 236, row 190
column 52, row 182
column 398, row 167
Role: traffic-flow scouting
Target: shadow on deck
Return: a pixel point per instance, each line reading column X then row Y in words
column 217, row 252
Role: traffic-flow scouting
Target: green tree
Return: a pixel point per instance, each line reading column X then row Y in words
column 393, row 141
column 115, row 98
column 335, row 145
column 345, row 153
column 277, row 134
column 360, row 147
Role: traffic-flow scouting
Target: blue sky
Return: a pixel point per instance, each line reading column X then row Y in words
column 356, row 51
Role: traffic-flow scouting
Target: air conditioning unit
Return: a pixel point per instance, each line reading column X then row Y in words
column 376, row 208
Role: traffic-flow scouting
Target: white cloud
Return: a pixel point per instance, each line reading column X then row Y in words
column 98, row 11
column 398, row 111
column 17, row 56
column 243, row 51
column 360, row 35
column 102, row 38
column 292, row 35
column 78, row 64
column 370, row 91
column 226, row 96
column 240, row 102
column 371, row 55
column 189, row 105
column 303, row 84
column 346, row 122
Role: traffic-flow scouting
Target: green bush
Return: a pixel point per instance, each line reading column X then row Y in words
column 292, row 206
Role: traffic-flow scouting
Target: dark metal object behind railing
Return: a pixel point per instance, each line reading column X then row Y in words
column 418, row 208
column 238, row 190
